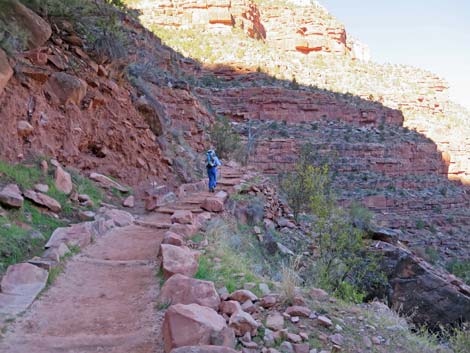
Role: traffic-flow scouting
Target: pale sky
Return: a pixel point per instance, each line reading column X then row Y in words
column 431, row 34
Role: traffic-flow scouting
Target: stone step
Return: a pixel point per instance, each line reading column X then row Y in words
column 154, row 225
column 174, row 208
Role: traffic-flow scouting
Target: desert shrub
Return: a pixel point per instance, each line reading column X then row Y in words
column 306, row 186
column 461, row 269
column 226, row 141
column 290, row 280
column 460, row 340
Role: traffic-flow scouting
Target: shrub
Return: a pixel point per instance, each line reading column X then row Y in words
column 460, row 340
column 305, row 188
column 461, row 269
column 225, row 139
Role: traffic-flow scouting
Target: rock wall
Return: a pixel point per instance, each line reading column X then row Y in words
column 295, row 106
column 291, row 28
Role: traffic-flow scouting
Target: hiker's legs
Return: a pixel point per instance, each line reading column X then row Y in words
column 212, row 173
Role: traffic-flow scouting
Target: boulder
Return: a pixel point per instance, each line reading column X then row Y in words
column 6, row 72
column 56, row 253
column 172, row 239
column 43, row 200
column 129, row 201
column 275, row 321
column 242, row 295
column 230, row 307
column 182, row 217
column 63, row 181
column 10, row 196
column 180, row 289
column 318, row 293
column 107, row 182
column 118, row 217
column 66, row 88
column 19, row 287
column 297, row 310
column 178, row 259
column 213, row 204
column 204, row 349
column 242, row 323
column 80, row 234
column 186, row 230
column 422, row 291
column 190, row 325
column 37, row 30
column 23, row 279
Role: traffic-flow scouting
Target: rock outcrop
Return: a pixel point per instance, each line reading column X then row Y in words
column 429, row 296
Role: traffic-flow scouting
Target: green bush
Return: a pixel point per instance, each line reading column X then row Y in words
column 225, row 140
column 461, row 269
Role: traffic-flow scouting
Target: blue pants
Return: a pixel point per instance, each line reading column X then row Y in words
column 212, row 173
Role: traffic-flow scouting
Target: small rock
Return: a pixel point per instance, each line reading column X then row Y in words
column 268, row 338
column 295, row 319
column 223, row 293
column 337, row 339
column 129, row 202
column 319, row 294
column 301, row 348
column 182, row 217
column 242, row 295
column 41, row 188
column 24, row 128
column 294, row 338
column 172, row 239
column 86, row 215
column 367, row 342
column 264, row 288
column 230, row 307
column 268, row 301
column 297, row 310
column 63, row 181
column 10, row 196
column 275, row 321
column 242, row 323
column 286, row 347
column 324, row 321
column 43, row 200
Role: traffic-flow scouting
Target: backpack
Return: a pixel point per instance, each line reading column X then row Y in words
column 210, row 159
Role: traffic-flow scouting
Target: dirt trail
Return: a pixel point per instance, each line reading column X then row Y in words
column 105, row 299
column 103, row 302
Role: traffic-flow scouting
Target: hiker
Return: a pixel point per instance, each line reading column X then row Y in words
column 212, row 164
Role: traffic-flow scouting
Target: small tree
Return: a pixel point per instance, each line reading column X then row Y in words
column 224, row 138
column 306, row 185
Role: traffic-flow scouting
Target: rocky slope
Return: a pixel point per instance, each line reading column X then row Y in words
column 303, row 42
column 143, row 117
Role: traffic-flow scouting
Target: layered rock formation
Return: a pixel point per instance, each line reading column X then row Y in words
column 314, row 29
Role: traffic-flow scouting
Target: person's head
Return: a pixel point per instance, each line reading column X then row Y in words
column 211, row 152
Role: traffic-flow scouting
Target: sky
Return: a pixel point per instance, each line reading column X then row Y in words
column 430, row 34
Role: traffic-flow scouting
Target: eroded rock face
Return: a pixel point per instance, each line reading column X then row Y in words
column 38, row 31
column 190, row 325
column 180, row 289
column 428, row 295
column 5, row 70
